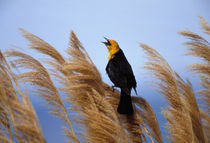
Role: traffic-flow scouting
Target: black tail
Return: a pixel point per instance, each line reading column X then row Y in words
column 125, row 104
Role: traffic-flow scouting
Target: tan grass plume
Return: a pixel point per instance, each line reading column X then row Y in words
column 39, row 77
column 18, row 118
column 200, row 47
column 179, row 124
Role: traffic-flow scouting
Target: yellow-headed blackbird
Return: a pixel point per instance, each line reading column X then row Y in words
column 121, row 74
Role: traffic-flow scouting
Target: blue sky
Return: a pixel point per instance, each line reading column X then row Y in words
column 153, row 22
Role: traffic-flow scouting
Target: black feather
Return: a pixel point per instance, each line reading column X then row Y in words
column 121, row 74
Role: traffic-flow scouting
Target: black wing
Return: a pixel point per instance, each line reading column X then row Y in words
column 115, row 74
column 120, row 71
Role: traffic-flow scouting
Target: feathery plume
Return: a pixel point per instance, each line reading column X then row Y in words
column 19, row 118
column 200, row 47
column 148, row 115
column 205, row 25
column 41, row 79
column 192, row 107
column 179, row 123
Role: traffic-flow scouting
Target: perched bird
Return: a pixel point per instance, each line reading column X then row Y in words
column 121, row 74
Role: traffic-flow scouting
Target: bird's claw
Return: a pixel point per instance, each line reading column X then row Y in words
column 113, row 88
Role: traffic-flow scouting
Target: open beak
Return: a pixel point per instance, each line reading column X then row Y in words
column 107, row 43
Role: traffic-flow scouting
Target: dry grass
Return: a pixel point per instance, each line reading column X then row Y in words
column 94, row 103
column 205, row 25
column 18, row 119
column 178, row 128
column 184, row 123
column 192, row 108
column 183, row 113
column 148, row 115
column 39, row 77
column 200, row 47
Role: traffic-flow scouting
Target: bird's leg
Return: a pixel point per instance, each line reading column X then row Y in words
column 135, row 91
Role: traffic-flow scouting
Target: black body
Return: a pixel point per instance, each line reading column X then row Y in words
column 121, row 74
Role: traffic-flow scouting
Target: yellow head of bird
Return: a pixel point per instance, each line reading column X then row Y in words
column 112, row 47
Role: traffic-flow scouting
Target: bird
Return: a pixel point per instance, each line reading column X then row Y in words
column 121, row 74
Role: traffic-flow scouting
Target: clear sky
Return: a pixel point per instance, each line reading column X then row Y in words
column 154, row 22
